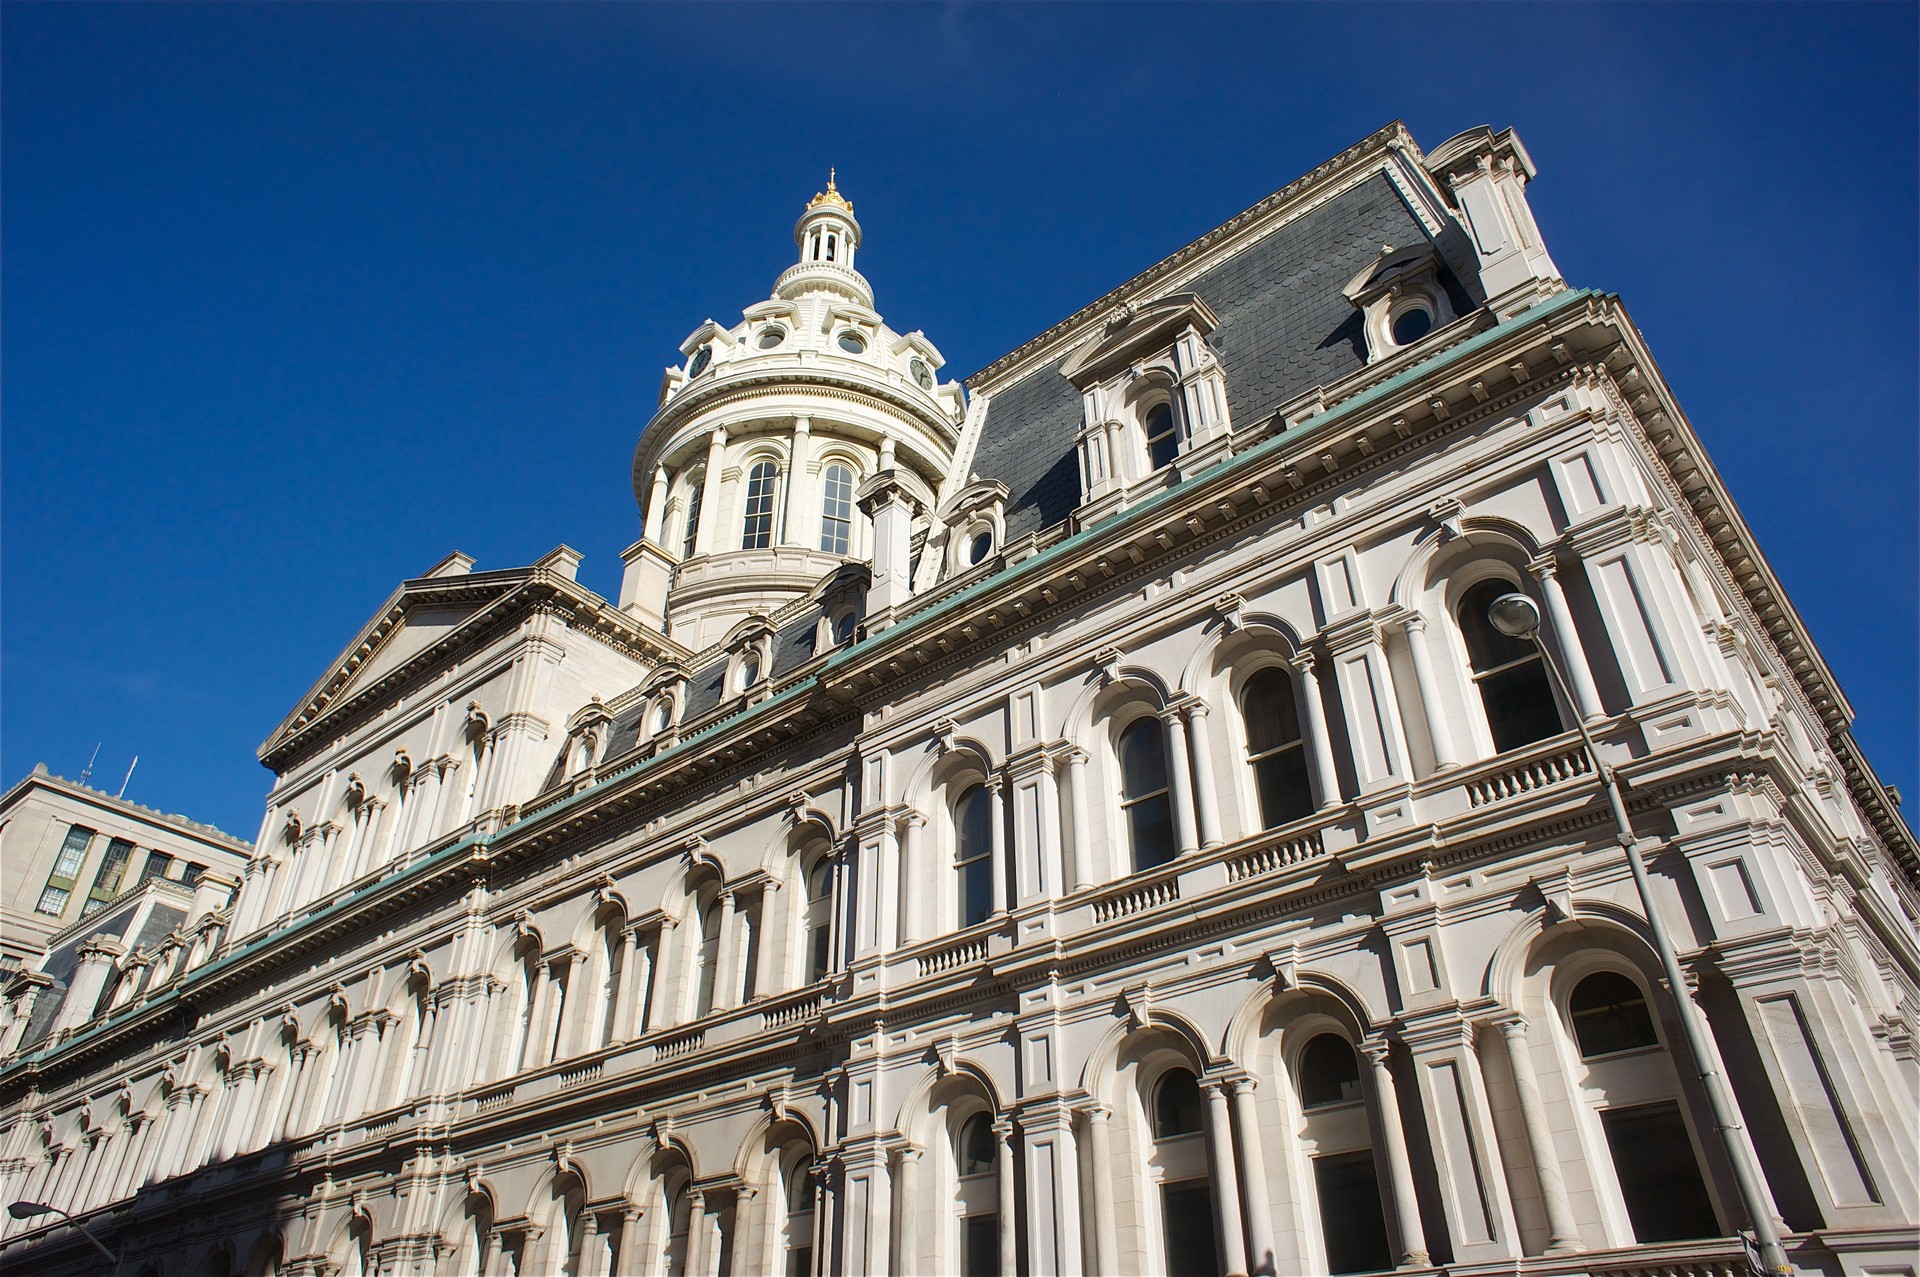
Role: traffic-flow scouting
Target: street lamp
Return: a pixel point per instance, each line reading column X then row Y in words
column 1516, row 616
column 29, row 1210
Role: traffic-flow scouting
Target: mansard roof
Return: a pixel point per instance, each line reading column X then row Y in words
column 1285, row 323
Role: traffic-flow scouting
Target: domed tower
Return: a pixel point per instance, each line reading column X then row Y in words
column 774, row 434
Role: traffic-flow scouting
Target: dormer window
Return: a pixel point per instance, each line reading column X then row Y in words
column 852, row 342
column 845, row 626
column 771, row 336
column 979, row 546
column 749, row 670
column 1400, row 298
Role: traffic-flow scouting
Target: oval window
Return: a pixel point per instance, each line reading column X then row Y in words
column 1411, row 324
column 749, row 671
column 701, row 359
column 852, row 342
column 922, row 375
column 772, row 335
column 980, row 547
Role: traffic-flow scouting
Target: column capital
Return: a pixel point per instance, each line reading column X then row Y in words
column 1192, row 706
column 1376, row 1049
column 1003, row 1129
column 1511, row 1023
column 1543, row 567
column 913, row 820
column 1303, row 661
column 1096, row 1111
column 1413, row 622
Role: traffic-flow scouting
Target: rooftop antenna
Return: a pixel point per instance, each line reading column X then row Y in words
column 87, row 771
column 123, row 784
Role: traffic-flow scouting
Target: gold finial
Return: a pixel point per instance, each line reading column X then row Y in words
column 831, row 195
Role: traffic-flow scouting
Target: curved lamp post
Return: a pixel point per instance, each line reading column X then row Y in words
column 1516, row 616
column 29, row 1210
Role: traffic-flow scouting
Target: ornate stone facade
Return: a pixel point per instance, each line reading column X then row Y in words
column 1081, row 822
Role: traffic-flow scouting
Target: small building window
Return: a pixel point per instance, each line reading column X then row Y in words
column 757, row 530
column 819, row 919
column 979, row 547
column 1512, row 679
column 977, row 1151
column 1163, row 440
column 749, row 670
column 1660, row 1182
column 973, row 854
column 845, row 626
column 836, row 509
column 771, row 336
column 1329, row 1073
column 53, row 900
column 1275, row 748
column 156, row 867
column 1609, row 1015
column 1177, row 1107
column 113, row 868
column 1411, row 324
column 852, row 342
column 1144, row 796
column 66, row 868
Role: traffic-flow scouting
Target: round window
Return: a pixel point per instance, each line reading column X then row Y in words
column 772, row 335
column 922, row 375
column 980, row 547
column 1411, row 324
column 852, row 342
column 698, row 365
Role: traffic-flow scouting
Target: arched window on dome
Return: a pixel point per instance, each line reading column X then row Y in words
column 973, row 854
column 1276, row 749
column 1145, row 799
column 1511, row 677
column 763, row 483
column 836, row 509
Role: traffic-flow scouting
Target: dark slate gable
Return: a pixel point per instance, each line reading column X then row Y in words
column 1285, row 327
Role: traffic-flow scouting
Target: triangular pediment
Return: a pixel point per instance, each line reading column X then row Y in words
column 418, row 616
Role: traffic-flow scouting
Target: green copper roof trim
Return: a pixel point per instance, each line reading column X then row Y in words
column 1245, row 460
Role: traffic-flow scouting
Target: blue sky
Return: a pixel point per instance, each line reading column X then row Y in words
column 300, row 298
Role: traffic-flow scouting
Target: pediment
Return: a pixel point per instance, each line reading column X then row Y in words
column 1133, row 332
column 416, row 617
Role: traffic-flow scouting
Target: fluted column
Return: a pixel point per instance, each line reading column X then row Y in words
column 1253, row 1158
column 1573, row 655
column 1429, row 689
column 1009, row 1244
column 1206, row 802
column 1326, row 780
column 1406, row 1209
column 1226, row 1179
column 1563, row 1232
column 1081, row 872
column 1180, row 779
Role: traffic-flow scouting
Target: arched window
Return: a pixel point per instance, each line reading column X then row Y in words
column 1339, row 1129
column 1329, row 1073
column 709, row 957
column 1177, row 1107
column 1275, row 748
column 756, row 532
column 1144, row 796
column 1179, row 1161
column 529, row 971
column 749, row 670
column 679, row 1222
column 973, row 854
column 797, row 1194
column 845, row 626
column 1610, row 1015
column 1511, row 677
column 696, row 493
column 1636, row 1092
column 976, row 1156
column 819, row 920
column 836, row 509
column 612, row 957
column 1163, row 439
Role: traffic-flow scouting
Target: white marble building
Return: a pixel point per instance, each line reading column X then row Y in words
column 1077, row 822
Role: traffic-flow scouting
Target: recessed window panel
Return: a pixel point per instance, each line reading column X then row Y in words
column 979, row 547
column 1163, row 441
column 973, row 854
column 1276, row 749
column 977, row 1150
column 1610, row 1015
column 1353, row 1227
column 1508, row 672
column 1177, row 1106
column 836, row 509
column 1659, row 1176
column 852, row 342
column 1329, row 1073
column 771, row 336
column 1144, row 796
column 756, row 531
column 1411, row 324
column 1187, row 1208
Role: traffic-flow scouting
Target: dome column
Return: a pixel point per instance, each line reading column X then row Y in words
column 802, row 497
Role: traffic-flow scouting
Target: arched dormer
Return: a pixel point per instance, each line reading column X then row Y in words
column 1401, row 298
column 749, row 647
column 1153, row 398
column 976, row 524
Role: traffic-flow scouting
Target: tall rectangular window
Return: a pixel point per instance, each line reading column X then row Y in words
column 756, row 532
column 66, row 868
column 158, row 863
column 113, row 868
column 836, row 510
